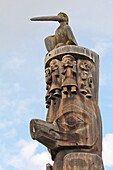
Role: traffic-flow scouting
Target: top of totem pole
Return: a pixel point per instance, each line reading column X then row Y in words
column 63, row 42
column 63, row 34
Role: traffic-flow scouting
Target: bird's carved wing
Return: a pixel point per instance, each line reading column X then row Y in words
column 70, row 35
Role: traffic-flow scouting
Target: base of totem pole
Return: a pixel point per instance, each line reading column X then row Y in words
column 77, row 161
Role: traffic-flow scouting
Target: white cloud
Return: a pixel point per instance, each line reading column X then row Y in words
column 5, row 124
column 27, row 148
column 14, row 63
column 11, row 133
column 7, row 91
column 108, row 150
column 27, row 158
column 22, row 107
column 16, row 107
column 102, row 46
column 17, row 87
column 1, row 168
column 11, row 103
column 103, row 79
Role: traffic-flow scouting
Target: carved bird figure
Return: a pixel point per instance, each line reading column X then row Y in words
column 63, row 34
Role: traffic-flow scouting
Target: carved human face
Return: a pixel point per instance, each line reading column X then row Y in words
column 47, row 71
column 85, row 65
column 54, row 64
column 67, row 61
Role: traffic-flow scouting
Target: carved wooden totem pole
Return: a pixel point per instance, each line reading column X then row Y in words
column 72, row 131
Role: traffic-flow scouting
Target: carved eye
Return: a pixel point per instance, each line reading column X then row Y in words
column 72, row 121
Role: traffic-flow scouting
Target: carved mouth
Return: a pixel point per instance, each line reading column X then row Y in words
column 56, row 139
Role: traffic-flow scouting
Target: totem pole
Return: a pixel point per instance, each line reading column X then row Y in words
column 72, row 131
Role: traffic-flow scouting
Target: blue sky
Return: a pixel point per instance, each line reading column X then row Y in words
column 22, row 83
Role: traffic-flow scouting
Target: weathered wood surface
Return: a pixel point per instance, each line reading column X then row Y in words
column 73, row 117
column 71, row 49
column 72, row 131
column 82, row 161
column 70, row 160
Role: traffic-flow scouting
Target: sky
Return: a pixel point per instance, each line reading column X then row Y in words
column 22, row 75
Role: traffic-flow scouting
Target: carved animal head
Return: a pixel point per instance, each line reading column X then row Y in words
column 63, row 17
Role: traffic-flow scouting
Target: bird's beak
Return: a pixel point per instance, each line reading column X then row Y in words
column 49, row 18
